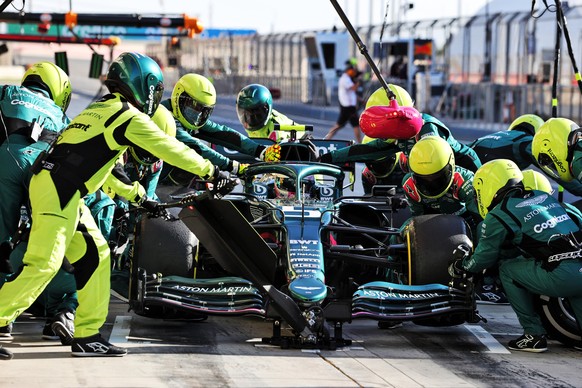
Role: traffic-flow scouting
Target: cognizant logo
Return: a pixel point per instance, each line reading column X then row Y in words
column 151, row 99
column 552, row 222
column 556, row 160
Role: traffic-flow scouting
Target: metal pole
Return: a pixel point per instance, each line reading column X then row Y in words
column 363, row 49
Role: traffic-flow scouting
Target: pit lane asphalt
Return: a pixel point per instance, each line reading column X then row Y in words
column 227, row 352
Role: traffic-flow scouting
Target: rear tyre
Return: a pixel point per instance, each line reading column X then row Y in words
column 431, row 242
column 558, row 320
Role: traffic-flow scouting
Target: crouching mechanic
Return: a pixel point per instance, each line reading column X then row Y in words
column 436, row 185
column 547, row 236
column 78, row 164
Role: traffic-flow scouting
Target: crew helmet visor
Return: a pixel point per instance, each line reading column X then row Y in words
column 255, row 117
column 194, row 112
column 547, row 164
column 434, row 185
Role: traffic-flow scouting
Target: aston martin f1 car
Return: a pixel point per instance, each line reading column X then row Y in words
column 291, row 248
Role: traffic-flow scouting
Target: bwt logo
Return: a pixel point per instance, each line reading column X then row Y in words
column 259, row 189
column 326, row 191
column 304, row 242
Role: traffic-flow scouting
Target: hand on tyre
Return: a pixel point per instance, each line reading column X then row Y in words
column 271, row 154
column 461, row 252
column 456, row 269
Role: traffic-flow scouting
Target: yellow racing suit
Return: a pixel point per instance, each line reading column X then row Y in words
column 79, row 163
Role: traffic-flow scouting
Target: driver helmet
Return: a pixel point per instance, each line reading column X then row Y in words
column 382, row 167
column 193, row 100
column 52, row 79
column 535, row 180
column 139, row 79
column 380, row 98
column 432, row 164
column 530, row 123
column 164, row 119
column 493, row 181
column 552, row 147
column 254, row 105
column 284, row 188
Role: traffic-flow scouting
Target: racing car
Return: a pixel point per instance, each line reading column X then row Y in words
column 292, row 248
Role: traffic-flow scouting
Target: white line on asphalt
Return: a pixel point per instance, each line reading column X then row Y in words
column 120, row 330
column 487, row 339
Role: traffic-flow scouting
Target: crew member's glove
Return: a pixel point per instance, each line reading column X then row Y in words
column 222, row 183
column 237, row 168
column 153, row 208
column 460, row 253
column 456, row 269
column 5, row 250
column 399, row 203
column 271, row 154
column 325, row 158
column 368, row 176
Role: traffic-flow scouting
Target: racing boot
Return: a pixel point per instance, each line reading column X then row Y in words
column 95, row 346
column 529, row 343
column 48, row 333
column 6, row 332
column 64, row 326
column 5, row 354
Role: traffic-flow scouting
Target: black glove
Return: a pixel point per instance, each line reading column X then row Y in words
column 456, row 269
column 325, row 158
column 153, row 208
column 5, row 250
column 399, row 203
column 461, row 252
column 222, row 183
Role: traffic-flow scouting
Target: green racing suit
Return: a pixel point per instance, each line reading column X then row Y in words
column 550, row 261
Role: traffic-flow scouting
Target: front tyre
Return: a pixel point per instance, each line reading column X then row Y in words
column 558, row 320
column 431, row 240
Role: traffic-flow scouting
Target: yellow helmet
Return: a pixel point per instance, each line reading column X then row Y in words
column 52, row 79
column 193, row 100
column 530, row 123
column 382, row 167
column 164, row 119
column 535, row 180
column 379, row 97
column 551, row 147
column 493, row 180
column 432, row 163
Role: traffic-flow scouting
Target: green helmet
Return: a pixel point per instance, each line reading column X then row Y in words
column 139, row 79
column 164, row 119
column 432, row 163
column 193, row 100
column 551, row 147
column 493, row 180
column 380, row 98
column 535, row 180
column 51, row 78
column 254, row 105
column 530, row 123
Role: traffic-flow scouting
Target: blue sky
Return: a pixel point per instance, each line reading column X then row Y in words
column 280, row 15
